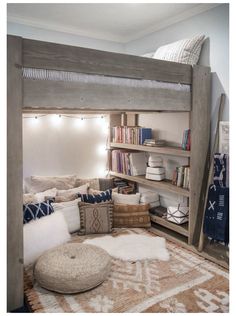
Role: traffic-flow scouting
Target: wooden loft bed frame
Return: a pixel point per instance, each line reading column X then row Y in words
column 55, row 96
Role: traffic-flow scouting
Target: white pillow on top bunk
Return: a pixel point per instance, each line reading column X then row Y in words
column 185, row 51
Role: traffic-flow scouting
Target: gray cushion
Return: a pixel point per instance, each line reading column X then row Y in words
column 72, row 268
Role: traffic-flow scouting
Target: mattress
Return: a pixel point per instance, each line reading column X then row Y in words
column 56, row 75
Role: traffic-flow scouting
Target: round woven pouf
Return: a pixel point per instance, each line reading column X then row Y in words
column 72, row 268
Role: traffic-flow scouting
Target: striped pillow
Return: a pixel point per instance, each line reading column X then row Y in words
column 126, row 215
column 186, row 51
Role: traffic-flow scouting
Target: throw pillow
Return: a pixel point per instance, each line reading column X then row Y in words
column 44, row 234
column 83, row 189
column 37, row 210
column 71, row 213
column 95, row 218
column 92, row 191
column 186, row 51
column 29, row 198
column 39, row 197
column 126, row 198
column 63, row 198
column 93, row 183
column 125, row 215
column 96, row 198
column 42, row 183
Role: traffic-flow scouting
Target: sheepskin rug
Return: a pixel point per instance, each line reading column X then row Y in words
column 132, row 247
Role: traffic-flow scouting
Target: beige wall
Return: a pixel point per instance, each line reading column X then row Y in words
column 56, row 148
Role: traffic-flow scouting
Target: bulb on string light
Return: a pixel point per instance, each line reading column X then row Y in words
column 101, row 150
column 56, row 119
column 79, row 122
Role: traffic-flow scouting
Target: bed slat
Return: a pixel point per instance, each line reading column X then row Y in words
column 37, row 54
column 72, row 95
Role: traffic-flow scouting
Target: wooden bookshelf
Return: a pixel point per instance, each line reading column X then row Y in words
column 173, row 151
column 165, row 185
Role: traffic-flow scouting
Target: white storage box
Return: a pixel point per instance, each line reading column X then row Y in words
column 157, row 170
column 156, row 177
column 155, row 161
column 178, row 214
column 156, row 174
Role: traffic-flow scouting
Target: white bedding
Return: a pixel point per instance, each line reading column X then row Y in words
column 55, row 75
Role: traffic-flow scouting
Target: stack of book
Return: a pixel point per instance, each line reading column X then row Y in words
column 130, row 163
column 124, row 186
column 154, row 142
column 130, row 134
column 186, row 141
column 181, row 177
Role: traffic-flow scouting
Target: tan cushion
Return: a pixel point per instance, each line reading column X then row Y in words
column 125, row 215
column 126, row 198
column 95, row 218
column 83, row 189
column 43, row 183
column 39, row 197
column 63, row 198
column 93, row 183
column 29, row 198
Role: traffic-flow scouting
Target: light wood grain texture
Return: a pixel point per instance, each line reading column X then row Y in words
column 181, row 229
column 47, row 55
column 172, row 151
column 114, row 120
column 93, row 96
column 161, row 185
column 14, row 175
column 200, row 137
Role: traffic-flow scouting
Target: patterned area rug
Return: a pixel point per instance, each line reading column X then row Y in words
column 185, row 283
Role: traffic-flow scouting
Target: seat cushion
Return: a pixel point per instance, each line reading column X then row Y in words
column 72, row 268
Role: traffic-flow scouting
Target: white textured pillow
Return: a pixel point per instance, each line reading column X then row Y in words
column 186, row 51
column 38, row 197
column 43, row 234
column 149, row 197
column 42, row 183
column 83, row 189
column 131, row 199
column 71, row 213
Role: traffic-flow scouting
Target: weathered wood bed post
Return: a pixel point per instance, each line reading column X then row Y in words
column 200, row 139
column 15, row 286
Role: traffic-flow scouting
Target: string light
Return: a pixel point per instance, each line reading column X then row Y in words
column 66, row 116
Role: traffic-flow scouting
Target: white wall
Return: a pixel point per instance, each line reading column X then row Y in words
column 53, row 146
column 214, row 24
column 62, row 38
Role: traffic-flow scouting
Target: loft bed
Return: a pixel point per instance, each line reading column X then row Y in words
column 49, row 77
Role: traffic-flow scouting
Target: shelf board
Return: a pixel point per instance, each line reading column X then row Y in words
column 165, row 185
column 214, row 253
column 181, row 229
column 173, row 151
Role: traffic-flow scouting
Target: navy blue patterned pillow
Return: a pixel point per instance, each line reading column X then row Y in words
column 33, row 211
column 96, row 198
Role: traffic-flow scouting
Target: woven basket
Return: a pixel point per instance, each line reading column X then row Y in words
column 72, row 268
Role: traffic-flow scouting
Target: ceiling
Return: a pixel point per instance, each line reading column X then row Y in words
column 119, row 22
